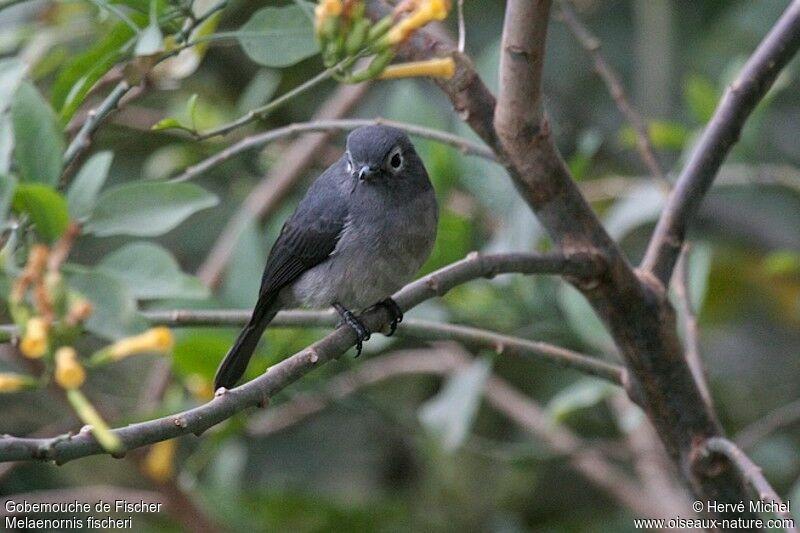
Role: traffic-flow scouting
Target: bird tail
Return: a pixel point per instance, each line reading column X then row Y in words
column 235, row 362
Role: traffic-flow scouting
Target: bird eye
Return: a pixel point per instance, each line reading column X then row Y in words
column 396, row 160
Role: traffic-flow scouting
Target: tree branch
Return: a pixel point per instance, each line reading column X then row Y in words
column 782, row 416
column 634, row 306
column 258, row 391
column 424, row 329
column 330, row 126
column 721, row 133
column 593, row 46
column 507, row 400
column 681, row 286
column 752, row 473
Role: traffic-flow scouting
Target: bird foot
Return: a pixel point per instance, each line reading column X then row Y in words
column 355, row 324
column 395, row 311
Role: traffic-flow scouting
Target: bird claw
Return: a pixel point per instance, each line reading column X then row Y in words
column 362, row 333
column 394, row 309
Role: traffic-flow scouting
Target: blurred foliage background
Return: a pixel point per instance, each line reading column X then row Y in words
column 412, row 452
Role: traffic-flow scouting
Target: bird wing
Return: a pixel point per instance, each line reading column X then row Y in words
column 309, row 236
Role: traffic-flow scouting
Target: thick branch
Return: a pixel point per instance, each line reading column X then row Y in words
column 722, row 132
column 635, row 307
column 258, row 391
column 519, row 104
column 752, row 473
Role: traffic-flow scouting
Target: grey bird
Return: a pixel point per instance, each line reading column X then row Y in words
column 363, row 229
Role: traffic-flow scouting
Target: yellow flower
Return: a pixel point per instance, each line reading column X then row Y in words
column 10, row 382
column 326, row 9
column 201, row 388
column 443, row 67
column 424, row 13
column 34, row 342
column 159, row 465
column 69, row 372
column 157, row 339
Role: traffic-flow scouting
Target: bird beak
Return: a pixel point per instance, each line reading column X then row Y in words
column 366, row 172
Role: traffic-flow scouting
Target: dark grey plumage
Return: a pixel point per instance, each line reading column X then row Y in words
column 361, row 232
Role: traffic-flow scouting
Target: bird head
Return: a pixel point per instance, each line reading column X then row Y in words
column 382, row 154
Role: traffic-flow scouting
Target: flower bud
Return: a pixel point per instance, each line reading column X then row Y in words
column 159, row 465
column 158, row 339
column 10, row 382
column 34, row 342
column 442, row 67
column 69, row 372
column 425, row 12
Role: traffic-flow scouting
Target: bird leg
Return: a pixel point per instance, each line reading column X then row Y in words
column 355, row 324
column 394, row 310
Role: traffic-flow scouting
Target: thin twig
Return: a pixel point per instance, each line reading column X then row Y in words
column 462, row 27
column 692, row 344
column 753, row 475
column 425, row 329
column 260, row 139
column 782, row 416
column 96, row 116
column 259, row 112
column 279, row 181
column 93, row 119
column 500, row 394
column 593, row 46
column 721, row 133
column 258, row 391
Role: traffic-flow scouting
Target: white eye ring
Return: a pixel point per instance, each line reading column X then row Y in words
column 395, row 160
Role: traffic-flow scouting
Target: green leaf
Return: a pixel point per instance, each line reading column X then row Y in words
column 664, row 134
column 191, row 110
column 115, row 315
column 83, row 192
column 278, row 36
column 259, row 90
column 146, row 208
column 151, row 40
column 46, row 208
column 243, row 276
column 79, row 75
column 198, row 351
column 39, row 141
column 782, row 263
column 169, row 123
column 641, row 205
column 12, row 71
column 6, row 142
column 701, row 97
column 699, row 272
column 150, row 272
column 449, row 415
column 8, row 185
column 583, row 320
column 580, row 395
column 588, row 145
